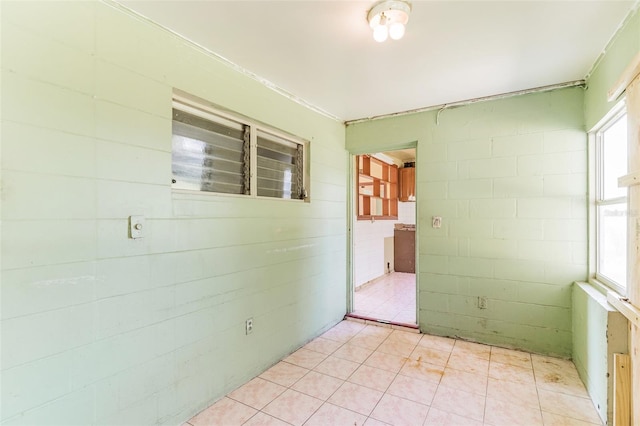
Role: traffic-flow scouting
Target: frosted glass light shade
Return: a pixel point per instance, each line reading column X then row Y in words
column 380, row 33
column 396, row 30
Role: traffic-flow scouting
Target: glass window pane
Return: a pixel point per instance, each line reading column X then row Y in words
column 612, row 242
column 614, row 158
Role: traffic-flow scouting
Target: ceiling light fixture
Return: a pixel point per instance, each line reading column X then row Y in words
column 388, row 19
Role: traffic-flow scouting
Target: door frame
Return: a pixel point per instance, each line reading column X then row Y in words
column 351, row 217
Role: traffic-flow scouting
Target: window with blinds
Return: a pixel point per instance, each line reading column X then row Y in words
column 224, row 153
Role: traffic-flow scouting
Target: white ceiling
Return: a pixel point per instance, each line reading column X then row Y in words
column 322, row 52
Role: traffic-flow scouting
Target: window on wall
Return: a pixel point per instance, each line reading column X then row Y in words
column 214, row 151
column 611, row 203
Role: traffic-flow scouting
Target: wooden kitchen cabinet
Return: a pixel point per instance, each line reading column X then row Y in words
column 407, row 184
column 377, row 189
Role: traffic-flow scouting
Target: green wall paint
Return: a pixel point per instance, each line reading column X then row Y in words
column 624, row 46
column 509, row 179
column 98, row 328
column 599, row 331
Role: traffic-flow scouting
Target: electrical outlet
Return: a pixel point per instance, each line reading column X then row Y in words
column 482, row 302
column 248, row 325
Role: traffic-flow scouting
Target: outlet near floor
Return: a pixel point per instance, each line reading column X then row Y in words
column 248, row 325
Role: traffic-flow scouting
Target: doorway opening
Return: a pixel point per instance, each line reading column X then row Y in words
column 383, row 240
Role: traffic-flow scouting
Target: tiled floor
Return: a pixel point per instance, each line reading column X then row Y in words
column 356, row 374
column 390, row 298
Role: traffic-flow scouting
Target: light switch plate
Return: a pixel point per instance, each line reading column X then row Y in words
column 136, row 226
column 436, row 221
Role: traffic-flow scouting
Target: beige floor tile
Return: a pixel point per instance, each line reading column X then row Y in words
column 399, row 412
column 442, row 418
column 356, row 398
column 568, row 405
column 422, row 371
column 225, row 412
column 371, row 377
column 430, row 355
column 330, row 414
column 396, row 348
column 473, row 349
column 324, row 346
column 511, row 373
column 468, row 363
column 257, row 393
column 413, row 389
column 375, row 331
column 465, row 404
column 385, row 361
column 388, row 298
column 551, row 419
column 293, row 407
column 284, row 374
column 558, row 375
column 406, row 316
column 342, row 333
column 405, row 337
column 262, row 419
column 469, row 382
column 462, row 383
column 356, row 326
column 305, row 358
column 499, row 413
column 437, row 342
column 353, row 353
column 511, row 357
column 367, row 341
column 317, row 385
column 373, row 422
column 513, row 392
column 337, row 367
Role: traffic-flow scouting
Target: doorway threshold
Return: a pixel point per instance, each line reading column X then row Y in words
column 412, row 328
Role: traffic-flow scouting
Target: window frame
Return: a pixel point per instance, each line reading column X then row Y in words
column 618, row 113
column 211, row 112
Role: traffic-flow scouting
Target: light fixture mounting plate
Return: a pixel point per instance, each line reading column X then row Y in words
column 397, row 10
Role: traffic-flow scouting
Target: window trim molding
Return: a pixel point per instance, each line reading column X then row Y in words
column 594, row 195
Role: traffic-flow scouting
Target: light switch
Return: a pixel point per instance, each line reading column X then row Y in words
column 436, row 221
column 136, row 226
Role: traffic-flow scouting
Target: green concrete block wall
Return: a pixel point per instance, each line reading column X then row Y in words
column 621, row 50
column 101, row 329
column 509, row 179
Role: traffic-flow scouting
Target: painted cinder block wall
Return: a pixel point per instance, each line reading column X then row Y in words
column 509, row 179
column 101, row 329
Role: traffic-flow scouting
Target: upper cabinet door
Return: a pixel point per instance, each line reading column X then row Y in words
column 408, row 184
